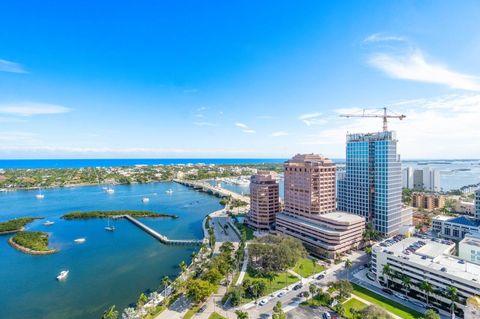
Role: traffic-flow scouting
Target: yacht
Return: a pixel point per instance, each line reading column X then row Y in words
column 63, row 275
column 170, row 191
column 48, row 223
column 145, row 200
column 110, row 190
column 40, row 195
column 80, row 240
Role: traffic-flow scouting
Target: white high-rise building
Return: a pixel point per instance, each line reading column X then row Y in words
column 407, row 177
column 425, row 179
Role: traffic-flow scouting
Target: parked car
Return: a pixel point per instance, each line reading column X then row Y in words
column 320, row 277
column 326, row 315
column 299, row 286
column 281, row 294
column 202, row 309
column 263, row 302
column 387, row 291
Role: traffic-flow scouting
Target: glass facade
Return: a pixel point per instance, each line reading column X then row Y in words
column 372, row 185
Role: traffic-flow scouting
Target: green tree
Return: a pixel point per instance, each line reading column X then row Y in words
column 241, row 314
column 213, row 276
column 199, row 290
column 374, row 312
column 278, row 312
column 270, row 275
column 340, row 309
column 406, row 284
column 110, row 313
column 312, row 289
column 387, row 271
column 431, row 314
column 452, row 293
column 183, row 267
column 142, row 299
column 165, row 282
column 427, row 288
column 227, row 247
column 348, row 265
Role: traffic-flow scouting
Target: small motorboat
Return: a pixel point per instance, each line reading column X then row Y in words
column 48, row 223
column 39, row 196
column 145, row 200
column 63, row 275
column 170, row 191
column 110, row 190
column 80, row 240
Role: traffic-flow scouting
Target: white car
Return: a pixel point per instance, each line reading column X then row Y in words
column 263, row 302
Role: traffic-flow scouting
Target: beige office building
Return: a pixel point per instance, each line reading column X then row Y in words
column 264, row 200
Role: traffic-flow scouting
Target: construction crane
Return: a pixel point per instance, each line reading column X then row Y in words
column 385, row 116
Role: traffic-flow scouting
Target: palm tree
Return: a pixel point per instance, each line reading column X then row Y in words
column 406, row 283
column 241, row 314
column 386, row 271
column 183, row 266
column 348, row 265
column 314, row 263
column 110, row 313
column 427, row 288
column 165, row 281
column 270, row 275
column 452, row 292
column 368, row 251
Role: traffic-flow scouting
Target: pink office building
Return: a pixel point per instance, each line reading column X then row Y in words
column 309, row 185
column 310, row 213
column 264, row 200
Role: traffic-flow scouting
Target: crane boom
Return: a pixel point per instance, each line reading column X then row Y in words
column 385, row 116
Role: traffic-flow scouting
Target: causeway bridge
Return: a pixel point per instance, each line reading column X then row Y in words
column 204, row 186
column 162, row 238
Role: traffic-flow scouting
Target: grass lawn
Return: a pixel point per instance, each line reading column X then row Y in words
column 280, row 281
column 385, row 303
column 305, row 268
column 216, row 316
column 192, row 311
column 248, row 231
column 353, row 303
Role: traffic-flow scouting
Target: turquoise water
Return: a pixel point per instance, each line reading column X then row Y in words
column 110, row 268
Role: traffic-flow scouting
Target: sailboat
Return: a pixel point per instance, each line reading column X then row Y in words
column 40, row 195
column 108, row 227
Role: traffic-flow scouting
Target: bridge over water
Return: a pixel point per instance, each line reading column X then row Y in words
column 218, row 191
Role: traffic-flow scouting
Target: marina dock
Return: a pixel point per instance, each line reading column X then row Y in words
column 163, row 239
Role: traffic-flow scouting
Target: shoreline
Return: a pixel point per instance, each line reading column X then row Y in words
column 29, row 251
column 11, row 231
column 8, row 190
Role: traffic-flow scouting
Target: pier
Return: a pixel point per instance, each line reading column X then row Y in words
column 217, row 191
column 163, row 239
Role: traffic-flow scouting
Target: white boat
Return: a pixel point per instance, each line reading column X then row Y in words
column 109, row 227
column 63, row 275
column 48, row 223
column 145, row 200
column 170, row 191
column 110, row 190
column 80, row 240
column 40, row 196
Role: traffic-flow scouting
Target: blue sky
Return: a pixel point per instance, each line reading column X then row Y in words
column 243, row 79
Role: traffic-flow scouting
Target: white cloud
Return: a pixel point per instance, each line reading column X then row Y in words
column 439, row 127
column 11, row 67
column 241, row 125
column 414, row 66
column 381, row 37
column 312, row 119
column 203, row 124
column 29, row 109
column 248, row 131
column 279, row 133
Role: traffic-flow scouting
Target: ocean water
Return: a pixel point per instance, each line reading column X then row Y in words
column 110, row 267
column 77, row 163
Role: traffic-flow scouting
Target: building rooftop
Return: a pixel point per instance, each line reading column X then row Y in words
column 315, row 158
column 462, row 220
column 443, row 217
column 432, row 254
column 318, row 224
column 340, row 216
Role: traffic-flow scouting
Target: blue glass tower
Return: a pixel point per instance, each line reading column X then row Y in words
column 372, row 184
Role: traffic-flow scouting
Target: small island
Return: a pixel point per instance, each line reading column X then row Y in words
column 33, row 243
column 115, row 213
column 15, row 225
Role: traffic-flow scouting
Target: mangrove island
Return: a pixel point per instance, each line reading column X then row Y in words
column 33, row 243
column 15, row 225
column 115, row 213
